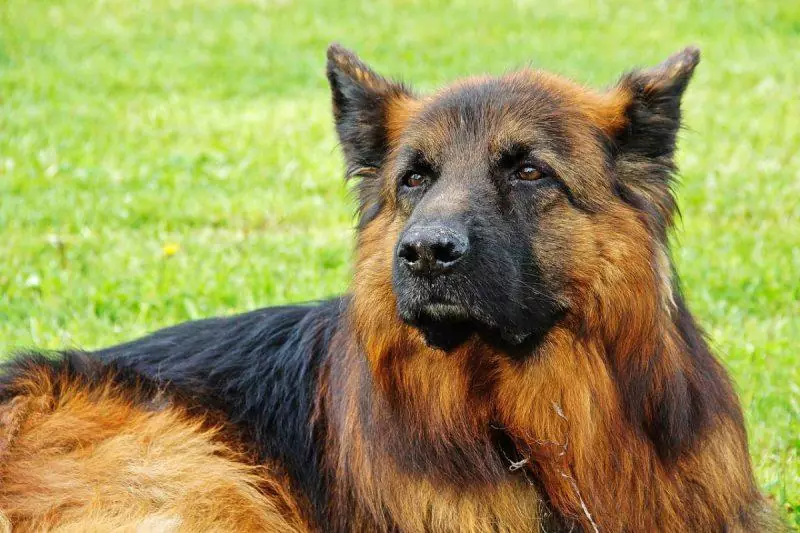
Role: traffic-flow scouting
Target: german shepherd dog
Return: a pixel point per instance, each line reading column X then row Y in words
column 514, row 353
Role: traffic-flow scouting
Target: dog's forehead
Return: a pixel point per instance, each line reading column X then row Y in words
column 492, row 94
column 524, row 107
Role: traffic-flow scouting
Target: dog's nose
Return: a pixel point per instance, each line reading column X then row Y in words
column 432, row 250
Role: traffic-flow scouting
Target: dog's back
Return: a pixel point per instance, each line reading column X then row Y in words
column 85, row 446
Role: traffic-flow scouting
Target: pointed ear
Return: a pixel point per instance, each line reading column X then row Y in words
column 363, row 105
column 644, row 139
column 653, row 109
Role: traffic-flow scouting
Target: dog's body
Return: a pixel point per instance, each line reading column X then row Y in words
column 515, row 353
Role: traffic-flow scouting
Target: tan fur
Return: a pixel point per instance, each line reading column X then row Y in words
column 401, row 110
column 88, row 460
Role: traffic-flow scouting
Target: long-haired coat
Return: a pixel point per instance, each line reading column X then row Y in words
column 514, row 353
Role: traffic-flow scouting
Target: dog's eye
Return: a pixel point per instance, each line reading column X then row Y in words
column 413, row 180
column 529, row 173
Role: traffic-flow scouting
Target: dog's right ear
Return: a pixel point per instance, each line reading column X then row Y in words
column 367, row 109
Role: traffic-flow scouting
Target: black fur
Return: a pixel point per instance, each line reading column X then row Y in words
column 260, row 368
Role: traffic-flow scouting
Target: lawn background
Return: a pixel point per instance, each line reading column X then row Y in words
column 165, row 160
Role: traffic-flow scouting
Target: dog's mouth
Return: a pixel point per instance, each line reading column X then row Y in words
column 443, row 325
column 447, row 325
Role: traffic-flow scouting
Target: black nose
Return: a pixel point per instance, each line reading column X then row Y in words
column 432, row 250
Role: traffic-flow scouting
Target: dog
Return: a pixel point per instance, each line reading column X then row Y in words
column 514, row 354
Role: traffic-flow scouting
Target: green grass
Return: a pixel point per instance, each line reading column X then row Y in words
column 129, row 126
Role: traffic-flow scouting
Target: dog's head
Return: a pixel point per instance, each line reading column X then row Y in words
column 501, row 205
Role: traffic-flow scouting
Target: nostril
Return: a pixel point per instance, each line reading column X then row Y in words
column 448, row 252
column 408, row 252
column 450, row 249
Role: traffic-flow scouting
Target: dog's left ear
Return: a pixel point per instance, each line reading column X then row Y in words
column 363, row 105
column 653, row 110
column 644, row 138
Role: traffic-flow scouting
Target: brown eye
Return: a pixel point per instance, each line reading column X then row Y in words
column 529, row 174
column 413, row 180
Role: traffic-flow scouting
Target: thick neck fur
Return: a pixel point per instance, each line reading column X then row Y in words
column 624, row 399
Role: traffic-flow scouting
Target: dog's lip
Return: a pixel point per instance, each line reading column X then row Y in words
column 437, row 313
column 442, row 311
column 447, row 311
